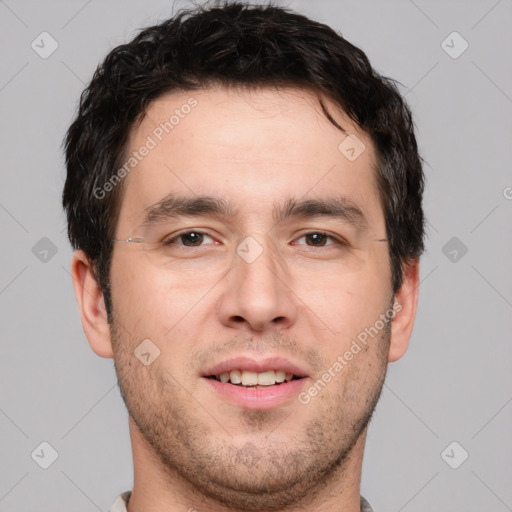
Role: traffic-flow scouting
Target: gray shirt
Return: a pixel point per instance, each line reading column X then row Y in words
column 120, row 504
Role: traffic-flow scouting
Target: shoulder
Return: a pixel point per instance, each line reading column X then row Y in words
column 121, row 501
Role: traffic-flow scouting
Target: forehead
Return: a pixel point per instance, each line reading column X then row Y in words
column 253, row 148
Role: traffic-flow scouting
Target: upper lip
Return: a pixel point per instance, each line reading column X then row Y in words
column 256, row 365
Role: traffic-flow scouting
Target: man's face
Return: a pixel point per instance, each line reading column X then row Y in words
column 272, row 281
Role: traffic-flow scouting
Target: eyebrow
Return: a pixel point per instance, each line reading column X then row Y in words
column 173, row 206
column 339, row 208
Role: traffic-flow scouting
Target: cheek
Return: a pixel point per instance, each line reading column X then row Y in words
column 345, row 303
column 136, row 289
column 157, row 305
column 150, row 309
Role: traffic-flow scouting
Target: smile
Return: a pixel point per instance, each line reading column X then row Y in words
column 255, row 380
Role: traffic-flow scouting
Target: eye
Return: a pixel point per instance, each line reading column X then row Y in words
column 318, row 239
column 190, row 238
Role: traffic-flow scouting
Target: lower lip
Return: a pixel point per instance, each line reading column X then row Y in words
column 262, row 398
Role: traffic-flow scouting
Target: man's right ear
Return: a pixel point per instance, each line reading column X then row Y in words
column 91, row 305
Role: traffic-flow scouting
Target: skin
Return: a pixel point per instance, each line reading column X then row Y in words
column 192, row 448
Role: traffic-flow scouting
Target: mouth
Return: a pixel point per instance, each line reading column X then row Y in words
column 249, row 383
column 255, row 380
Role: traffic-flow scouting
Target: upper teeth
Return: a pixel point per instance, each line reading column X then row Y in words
column 248, row 378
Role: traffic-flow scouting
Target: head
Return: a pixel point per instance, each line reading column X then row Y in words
column 283, row 245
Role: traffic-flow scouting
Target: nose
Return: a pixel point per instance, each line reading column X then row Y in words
column 257, row 294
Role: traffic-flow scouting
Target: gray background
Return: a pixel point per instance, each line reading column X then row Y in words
column 454, row 384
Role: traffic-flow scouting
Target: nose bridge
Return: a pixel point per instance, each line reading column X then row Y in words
column 257, row 293
column 259, row 265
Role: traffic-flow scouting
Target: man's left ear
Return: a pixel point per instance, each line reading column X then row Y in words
column 406, row 303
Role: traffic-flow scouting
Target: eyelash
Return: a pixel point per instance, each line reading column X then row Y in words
column 336, row 240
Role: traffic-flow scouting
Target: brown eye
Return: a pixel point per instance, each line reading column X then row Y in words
column 192, row 239
column 189, row 239
column 317, row 239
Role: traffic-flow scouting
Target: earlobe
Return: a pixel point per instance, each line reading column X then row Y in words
column 406, row 303
column 91, row 305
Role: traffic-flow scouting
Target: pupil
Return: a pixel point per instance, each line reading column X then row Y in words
column 192, row 239
column 317, row 238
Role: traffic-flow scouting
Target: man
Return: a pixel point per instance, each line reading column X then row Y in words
column 244, row 193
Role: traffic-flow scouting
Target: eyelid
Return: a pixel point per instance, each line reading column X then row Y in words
column 336, row 238
column 171, row 238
